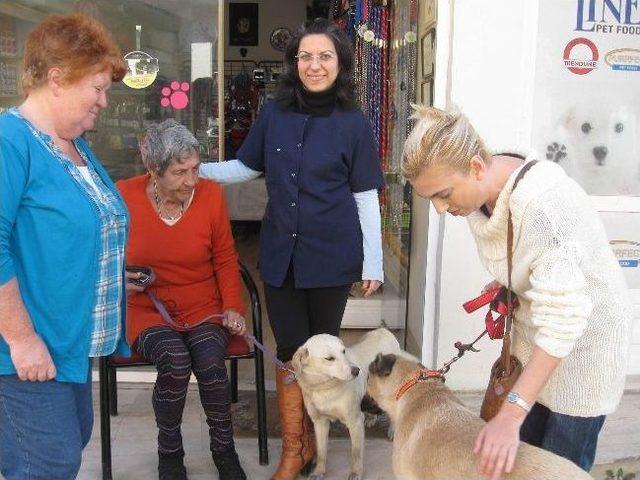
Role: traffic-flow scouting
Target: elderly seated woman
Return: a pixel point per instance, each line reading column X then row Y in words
column 180, row 228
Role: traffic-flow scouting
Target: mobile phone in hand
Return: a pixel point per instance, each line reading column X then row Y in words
column 145, row 275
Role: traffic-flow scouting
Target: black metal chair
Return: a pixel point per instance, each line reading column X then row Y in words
column 237, row 349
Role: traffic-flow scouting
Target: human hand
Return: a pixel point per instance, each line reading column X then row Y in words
column 234, row 322
column 491, row 286
column 32, row 360
column 497, row 444
column 132, row 287
column 370, row 286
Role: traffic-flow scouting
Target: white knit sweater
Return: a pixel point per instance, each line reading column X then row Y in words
column 573, row 298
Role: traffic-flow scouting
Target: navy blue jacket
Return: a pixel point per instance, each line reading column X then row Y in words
column 312, row 165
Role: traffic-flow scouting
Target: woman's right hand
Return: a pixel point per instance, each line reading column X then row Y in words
column 234, row 322
column 32, row 360
column 491, row 286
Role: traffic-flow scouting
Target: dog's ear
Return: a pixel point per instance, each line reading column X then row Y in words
column 300, row 358
column 383, row 364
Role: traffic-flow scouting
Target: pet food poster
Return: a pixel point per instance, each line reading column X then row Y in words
column 586, row 114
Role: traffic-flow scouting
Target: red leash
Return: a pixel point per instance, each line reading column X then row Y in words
column 497, row 301
column 422, row 375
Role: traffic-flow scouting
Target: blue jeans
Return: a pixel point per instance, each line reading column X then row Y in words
column 43, row 428
column 574, row 438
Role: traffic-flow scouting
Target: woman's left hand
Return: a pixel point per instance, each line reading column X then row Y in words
column 497, row 444
column 234, row 322
column 130, row 286
column 370, row 286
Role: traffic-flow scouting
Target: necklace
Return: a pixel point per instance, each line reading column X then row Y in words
column 166, row 215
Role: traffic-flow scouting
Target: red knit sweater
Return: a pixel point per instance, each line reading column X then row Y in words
column 194, row 260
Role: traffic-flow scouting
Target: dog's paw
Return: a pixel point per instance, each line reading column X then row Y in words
column 354, row 476
column 556, row 152
column 390, row 432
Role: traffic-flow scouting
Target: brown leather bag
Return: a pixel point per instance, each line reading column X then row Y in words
column 507, row 368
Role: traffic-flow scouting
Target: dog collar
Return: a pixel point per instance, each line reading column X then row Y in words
column 422, row 375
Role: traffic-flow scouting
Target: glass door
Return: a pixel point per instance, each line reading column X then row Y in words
column 171, row 50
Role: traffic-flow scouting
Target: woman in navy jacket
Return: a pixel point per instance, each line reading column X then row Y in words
column 321, row 228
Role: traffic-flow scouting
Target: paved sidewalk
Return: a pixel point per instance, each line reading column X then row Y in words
column 134, row 442
column 135, row 457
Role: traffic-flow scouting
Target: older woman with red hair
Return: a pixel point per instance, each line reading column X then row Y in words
column 63, row 229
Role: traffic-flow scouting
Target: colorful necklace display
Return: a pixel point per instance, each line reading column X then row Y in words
column 385, row 35
column 371, row 72
column 402, row 76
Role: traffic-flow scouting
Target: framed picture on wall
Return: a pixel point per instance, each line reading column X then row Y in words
column 426, row 91
column 428, row 52
column 243, row 24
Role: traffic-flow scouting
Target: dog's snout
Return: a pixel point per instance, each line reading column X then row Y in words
column 355, row 371
column 600, row 152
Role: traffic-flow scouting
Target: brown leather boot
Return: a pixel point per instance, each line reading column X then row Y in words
column 298, row 440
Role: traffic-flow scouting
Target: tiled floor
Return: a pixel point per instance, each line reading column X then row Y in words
column 134, row 437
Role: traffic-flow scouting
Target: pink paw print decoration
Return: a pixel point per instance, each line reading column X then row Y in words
column 175, row 95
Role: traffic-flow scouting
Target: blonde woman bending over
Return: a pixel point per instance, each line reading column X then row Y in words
column 572, row 329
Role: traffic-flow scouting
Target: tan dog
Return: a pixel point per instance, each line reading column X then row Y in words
column 435, row 433
column 333, row 380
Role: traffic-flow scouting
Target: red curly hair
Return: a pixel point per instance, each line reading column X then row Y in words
column 76, row 43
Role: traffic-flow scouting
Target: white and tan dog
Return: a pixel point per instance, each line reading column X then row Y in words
column 435, row 433
column 333, row 380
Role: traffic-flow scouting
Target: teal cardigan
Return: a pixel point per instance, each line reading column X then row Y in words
column 49, row 241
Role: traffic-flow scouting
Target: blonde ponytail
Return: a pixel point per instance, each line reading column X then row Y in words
column 440, row 138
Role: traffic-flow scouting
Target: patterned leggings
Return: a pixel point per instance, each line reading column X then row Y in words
column 175, row 355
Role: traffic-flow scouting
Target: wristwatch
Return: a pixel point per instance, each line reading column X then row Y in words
column 513, row 397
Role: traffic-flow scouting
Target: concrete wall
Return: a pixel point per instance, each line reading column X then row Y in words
column 486, row 67
column 485, row 64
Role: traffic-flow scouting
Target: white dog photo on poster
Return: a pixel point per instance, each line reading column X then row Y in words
column 596, row 139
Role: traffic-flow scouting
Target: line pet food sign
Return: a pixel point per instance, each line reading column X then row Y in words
column 586, row 107
column 620, row 17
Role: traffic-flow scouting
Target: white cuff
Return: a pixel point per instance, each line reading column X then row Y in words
column 370, row 224
column 229, row 171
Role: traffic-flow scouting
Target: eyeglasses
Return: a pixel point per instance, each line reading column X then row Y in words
column 324, row 57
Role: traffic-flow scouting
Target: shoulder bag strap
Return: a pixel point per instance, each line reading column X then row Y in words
column 506, row 339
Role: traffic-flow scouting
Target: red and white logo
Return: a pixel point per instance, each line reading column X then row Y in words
column 580, row 66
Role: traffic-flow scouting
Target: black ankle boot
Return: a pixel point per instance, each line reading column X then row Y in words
column 171, row 466
column 228, row 465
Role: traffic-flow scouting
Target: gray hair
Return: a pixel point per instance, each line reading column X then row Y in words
column 164, row 142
